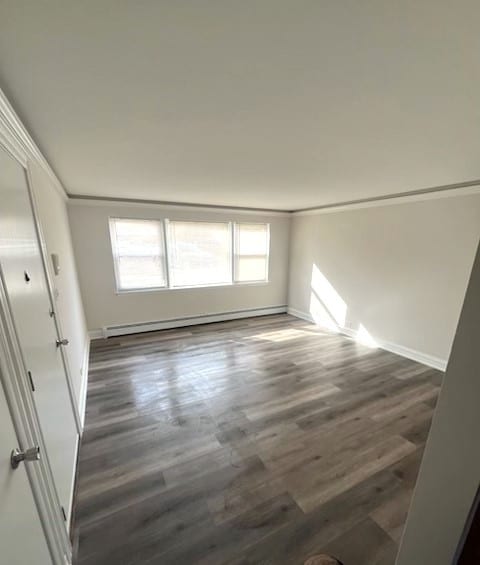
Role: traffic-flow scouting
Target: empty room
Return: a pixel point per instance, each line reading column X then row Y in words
column 239, row 282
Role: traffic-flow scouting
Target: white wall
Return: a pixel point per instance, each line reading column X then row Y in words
column 104, row 307
column 398, row 270
column 53, row 217
column 450, row 470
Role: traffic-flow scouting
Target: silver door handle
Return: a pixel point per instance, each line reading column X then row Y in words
column 62, row 342
column 30, row 454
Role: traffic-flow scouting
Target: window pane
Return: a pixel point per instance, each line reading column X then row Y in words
column 138, row 252
column 251, row 269
column 199, row 253
column 252, row 239
column 251, row 252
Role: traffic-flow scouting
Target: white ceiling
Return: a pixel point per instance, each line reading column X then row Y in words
column 260, row 103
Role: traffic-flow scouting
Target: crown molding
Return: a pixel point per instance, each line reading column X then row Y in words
column 445, row 191
column 18, row 142
column 86, row 200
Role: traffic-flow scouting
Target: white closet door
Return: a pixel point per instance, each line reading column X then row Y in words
column 24, row 279
column 21, row 535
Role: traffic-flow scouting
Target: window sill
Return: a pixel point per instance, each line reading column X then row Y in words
column 195, row 287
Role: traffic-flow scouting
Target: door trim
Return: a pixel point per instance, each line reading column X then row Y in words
column 50, row 286
column 18, row 142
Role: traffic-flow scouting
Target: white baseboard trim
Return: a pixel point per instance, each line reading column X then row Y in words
column 82, row 401
column 71, row 501
column 299, row 314
column 96, row 334
column 419, row 356
column 414, row 355
column 170, row 323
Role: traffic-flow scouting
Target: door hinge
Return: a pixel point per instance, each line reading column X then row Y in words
column 64, row 513
column 30, row 378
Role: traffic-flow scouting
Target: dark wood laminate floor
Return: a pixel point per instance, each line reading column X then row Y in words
column 263, row 440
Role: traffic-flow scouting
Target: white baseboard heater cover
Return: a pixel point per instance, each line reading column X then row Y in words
column 125, row 329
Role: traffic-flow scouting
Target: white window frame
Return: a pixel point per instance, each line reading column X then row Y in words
column 234, row 245
column 164, row 223
column 113, row 246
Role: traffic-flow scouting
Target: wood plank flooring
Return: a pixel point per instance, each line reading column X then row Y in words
column 258, row 441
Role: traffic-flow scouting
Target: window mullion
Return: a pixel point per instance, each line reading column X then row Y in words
column 232, row 247
column 116, row 255
column 166, row 239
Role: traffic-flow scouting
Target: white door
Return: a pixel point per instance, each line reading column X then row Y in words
column 22, row 539
column 24, row 279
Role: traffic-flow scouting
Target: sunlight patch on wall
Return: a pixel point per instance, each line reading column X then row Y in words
column 329, row 310
column 320, row 314
column 329, row 298
column 364, row 337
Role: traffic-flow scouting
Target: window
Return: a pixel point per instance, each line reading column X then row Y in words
column 251, row 252
column 199, row 253
column 138, row 252
column 150, row 254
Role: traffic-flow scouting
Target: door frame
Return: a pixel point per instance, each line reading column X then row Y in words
column 13, row 377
